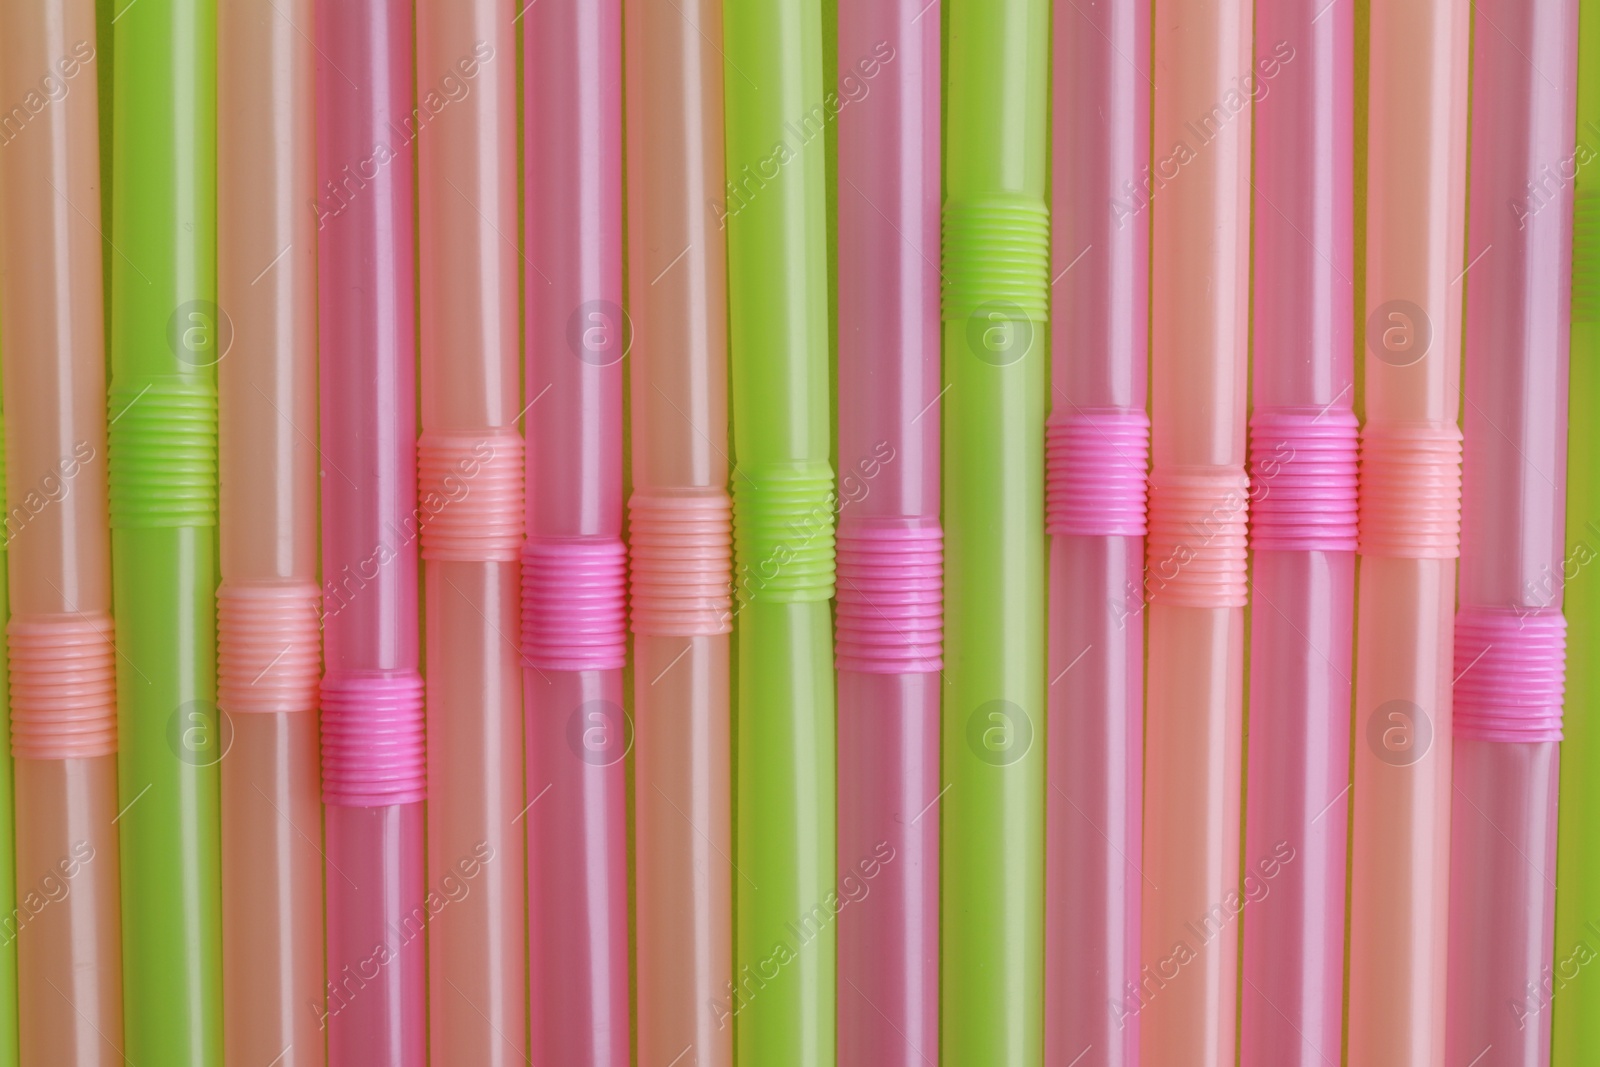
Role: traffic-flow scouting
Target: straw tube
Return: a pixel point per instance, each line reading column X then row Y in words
column 1510, row 639
column 1409, row 532
column 166, row 337
column 269, row 641
column 63, row 934
column 680, row 533
column 373, row 763
column 1097, row 444
column 1303, row 533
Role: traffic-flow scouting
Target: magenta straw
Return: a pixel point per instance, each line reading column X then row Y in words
column 373, row 766
column 1510, row 650
column 1097, row 446
column 1303, row 437
column 574, row 564
column 889, row 625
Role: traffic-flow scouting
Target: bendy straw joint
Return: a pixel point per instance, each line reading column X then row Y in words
column 269, row 646
column 63, row 686
column 783, row 522
column 1303, row 480
column 889, row 617
column 1410, row 488
column 163, row 444
column 574, row 598
column 680, row 553
column 1095, row 466
column 469, row 495
column 1510, row 671
column 372, row 739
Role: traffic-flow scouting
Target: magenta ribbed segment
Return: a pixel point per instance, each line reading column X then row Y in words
column 1096, row 465
column 373, row 751
column 1411, row 491
column 1511, row 672
column 1195, row 549
column 1303, row 480
column 269, row 646
column 574, row 614
column 63, row 686
column 680, row 555
column 889, row 616
column 469, row 496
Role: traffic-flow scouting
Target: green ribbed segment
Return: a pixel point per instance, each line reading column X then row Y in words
column 163, row 443
column 997, row 256
column 783, row 519
column 1586, row 257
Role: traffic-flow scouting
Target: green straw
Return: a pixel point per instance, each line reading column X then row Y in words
column 785, row 902
column 10, row 920
column 996, row 256
column 166, row 336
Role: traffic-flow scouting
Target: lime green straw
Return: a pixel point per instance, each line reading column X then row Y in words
column 996, row 255
column 166, row 337
column 10, row 921
column 785, row 899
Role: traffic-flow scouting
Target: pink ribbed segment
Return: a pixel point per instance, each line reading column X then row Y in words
column 574, row 613
column 373, row 747
column 469, row 495
column 1411, row 491
column 1096, row 464
column 1303, row 480
column 680, row 547
column 63, row 686
column 269, row 646
column 1196, row 545
column 889, row 617
column 1510, row 675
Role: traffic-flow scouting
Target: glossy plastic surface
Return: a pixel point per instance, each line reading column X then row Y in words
column 164, row 343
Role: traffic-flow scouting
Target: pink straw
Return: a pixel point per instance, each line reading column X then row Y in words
column 1510, row 647
column 574, row 563
column 374, row 773
column 890, row 545
column 1303, row 532
column 1098, row 444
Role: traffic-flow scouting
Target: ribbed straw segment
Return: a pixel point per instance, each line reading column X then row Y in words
column 889, row 616
column 269, row 646
column 680, row 549
column 783, row 533
column 469, row 495
column 996, row 250
column 1586, row 257
column 1510, row 675
column 1096, row 468
column 1303, row 480
column 373, row 746
column 63, row 686
column 163, row 444
column 574, row 597
column 1411, row 491
column 1195, row 549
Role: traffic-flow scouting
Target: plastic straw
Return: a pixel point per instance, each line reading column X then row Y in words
column 573, row 564
column 1303, row 532
column 1097, row 448
column 890, row 550
column 1410, row 522
column 470, row 487
column 373, row 763
column 782, row 1000
column 62, row 929
column 1510, row 637
column 269, row 642
column 996, row 229
column 166, row 337
column 1196, row 580
column 680, row 534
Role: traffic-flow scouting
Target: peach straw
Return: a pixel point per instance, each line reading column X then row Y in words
column 1196, row 582
column 269, row 640
column 63, row 699
column 469, row 462
column 1409, row 532
column 681, row 536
